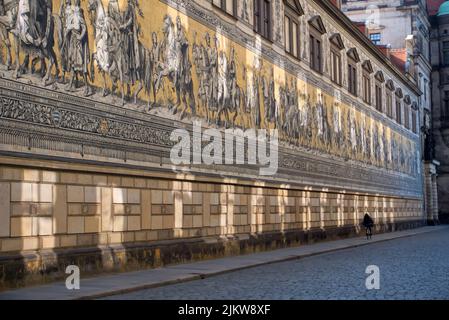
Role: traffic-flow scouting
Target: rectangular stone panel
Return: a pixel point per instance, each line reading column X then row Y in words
column 5, row 209
column 75, row 194
column 75, row 225
column 146, row 210
column 21, row 227
column 92, row 195
column 106, row 210
column 60, row 209
column 21, row 192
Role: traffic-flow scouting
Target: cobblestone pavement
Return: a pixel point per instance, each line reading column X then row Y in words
column 410, row 268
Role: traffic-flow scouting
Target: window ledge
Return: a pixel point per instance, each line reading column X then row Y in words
column 288, row 54
column 224, row 13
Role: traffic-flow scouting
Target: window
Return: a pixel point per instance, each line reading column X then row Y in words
column 366, row 88
column 446, row 105
column 446, row 52
column 414, row 122
column 398, row 111
column 378, row 88
column 228, row 6
column 293, row 10
column 390, row 105
column 337, row 45
column 407, row 116
column 336, row 66
column 316, row 30
column 262, row 18
column 425, row 89
column 291, row 36
column 390, row 90
column 375, row 38
column 353, row 59
column 379, row 97
column 315, row 53
column 352, row 78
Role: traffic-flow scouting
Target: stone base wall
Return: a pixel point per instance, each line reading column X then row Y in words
column 111, row 219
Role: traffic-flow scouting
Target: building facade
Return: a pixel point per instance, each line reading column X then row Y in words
column 440, row 94
column 91, row 92
column 403, row 27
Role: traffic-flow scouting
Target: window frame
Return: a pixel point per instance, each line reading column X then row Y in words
column 390, row 92
column 407, row 116
column 316, row 46
column 398, row 110
column 399, row 106
column 376, row 42
column 293, row 20
column 352, row 77
column 445, row 113
column 316, row 32
column 366, row 84
column 414, row 121
column 261, row 18
column 222, row 7
column 336, row 59
column 379, row 96
column 379, row 87
column 415, row 118
column 336, row 66
column 389, row 104
column 353, row 60
column 445, row 51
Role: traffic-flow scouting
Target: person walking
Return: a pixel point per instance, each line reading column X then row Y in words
column 368, row 223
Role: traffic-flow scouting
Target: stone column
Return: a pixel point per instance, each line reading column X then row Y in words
column 435, row 199
column 431, row 192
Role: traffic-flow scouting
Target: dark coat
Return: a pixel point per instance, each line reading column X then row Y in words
column 368, row 221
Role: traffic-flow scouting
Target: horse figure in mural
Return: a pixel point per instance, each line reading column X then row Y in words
column 175, row 64
column 8, row 20
column 108, row 55
column 35, row 29
column 229, row 92
column 31, row 23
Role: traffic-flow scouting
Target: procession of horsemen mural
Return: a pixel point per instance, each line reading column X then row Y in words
column 85, row 44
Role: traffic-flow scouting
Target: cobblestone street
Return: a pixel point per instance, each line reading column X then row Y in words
column 410, row 268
